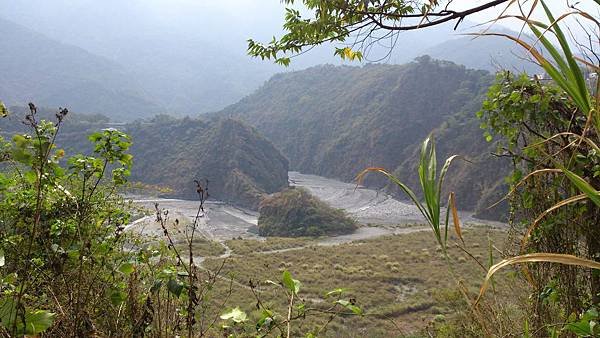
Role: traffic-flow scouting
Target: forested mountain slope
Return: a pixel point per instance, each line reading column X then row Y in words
column 336, row 121
column 36, row 68
column 240, row 164
column 188, row 69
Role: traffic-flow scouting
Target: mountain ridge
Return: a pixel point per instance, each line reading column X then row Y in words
column 334, row 121
column 36, row 68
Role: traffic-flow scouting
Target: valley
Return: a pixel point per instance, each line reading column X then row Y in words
column 299, row 168
column 391, row 231
column 378, row 213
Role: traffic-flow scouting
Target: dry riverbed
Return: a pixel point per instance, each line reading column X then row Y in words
column 378, row 213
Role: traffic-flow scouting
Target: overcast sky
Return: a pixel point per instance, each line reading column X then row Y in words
column 229, row 21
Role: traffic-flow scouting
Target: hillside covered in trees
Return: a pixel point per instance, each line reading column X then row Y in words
column 336, row 121
column 171, row 153
column 240, row 164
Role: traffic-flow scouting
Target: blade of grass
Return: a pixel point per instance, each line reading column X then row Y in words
column 455, row 218
column 574, row 67
column 535, row 258
column 582, row 185
column 546, row 212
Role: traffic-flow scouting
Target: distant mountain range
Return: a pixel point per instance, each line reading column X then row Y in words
column 491, row 53
column 138, row 65
column 39, row 69
column 336, row 121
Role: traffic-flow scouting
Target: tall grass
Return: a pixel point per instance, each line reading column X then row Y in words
column 564, row 69
column 431, row 187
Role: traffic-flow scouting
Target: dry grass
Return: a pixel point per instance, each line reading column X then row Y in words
column 248, row 246
column 399, row 278
column 203, row 247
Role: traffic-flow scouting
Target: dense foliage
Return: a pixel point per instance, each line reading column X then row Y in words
column 336, row 121
column 61, row 231
column 539, row 123
column 295, row 212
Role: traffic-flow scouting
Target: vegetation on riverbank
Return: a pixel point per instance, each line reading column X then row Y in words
column 294, row 212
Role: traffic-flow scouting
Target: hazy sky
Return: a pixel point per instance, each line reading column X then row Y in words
column 238, row 18
column 91, row 23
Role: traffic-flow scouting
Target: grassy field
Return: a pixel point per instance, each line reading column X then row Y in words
column 400, row 281
column 246, row 246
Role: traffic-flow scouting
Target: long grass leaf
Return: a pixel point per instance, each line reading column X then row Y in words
column 443, row 173
column 574, row 67
column 565, row 79
column 579, row 137
column 541, row 216
column 455, row 218
column 543, row 62
column 583, row 186
column 535, row 258
column 522, row 181
column 446, row 223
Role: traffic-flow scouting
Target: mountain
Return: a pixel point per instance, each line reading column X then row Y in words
column 190, row 56
column 490, row 53
column 242, row 166
column 336, row 121
column 36, row 68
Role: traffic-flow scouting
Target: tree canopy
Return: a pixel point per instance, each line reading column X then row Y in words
column 363, row 22
column 355, row 26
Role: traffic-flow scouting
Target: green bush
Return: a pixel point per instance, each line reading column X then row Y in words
column 295, row 212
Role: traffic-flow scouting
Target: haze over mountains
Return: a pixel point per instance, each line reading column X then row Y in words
column 138, row 58
column 135, row 59
column 36, row 68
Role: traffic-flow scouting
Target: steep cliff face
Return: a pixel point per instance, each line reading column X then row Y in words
column 336, row 121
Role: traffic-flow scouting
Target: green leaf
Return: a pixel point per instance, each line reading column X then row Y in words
column 117, row 297
column 30, row 177
column 581, row 329
column 582, row 185
column 350, row 306
column 2, row 258
column 156, row 286
column 291, row 284
column 126, row 268
column 175, row 287
column 335, row 292
column 38, row 321
column 236, row 315
column 22, row 156
column 8, row 311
